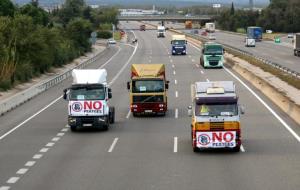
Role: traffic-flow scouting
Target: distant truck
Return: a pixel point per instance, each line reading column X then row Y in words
column 212, row 55
column 210, row 27
column 254, row 32
column 142, row 27
column 178, row 45
column 297, row 44
column 161, row 31
column 88, row 100
column 215, row 116
column 148, row 89
column 188, row 24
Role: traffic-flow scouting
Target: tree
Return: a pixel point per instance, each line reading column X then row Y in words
column 38, row 15
column 71, row 9
column 6, row 8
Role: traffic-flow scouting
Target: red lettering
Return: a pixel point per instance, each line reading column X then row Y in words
column 88, row 105
column 226, row 135
column 217, row 137
column 97, row 105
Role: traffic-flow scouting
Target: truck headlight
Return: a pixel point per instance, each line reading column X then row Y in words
column 161, row 105
column 134, row 106
column 173, row 51
column 184, row 50
column 72, row 120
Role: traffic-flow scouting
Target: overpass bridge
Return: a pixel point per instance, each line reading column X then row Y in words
column 202, row 19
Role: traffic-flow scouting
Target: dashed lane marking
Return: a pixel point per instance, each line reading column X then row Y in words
column 201, row 72
column 173, row 66
column 176, row 94
column 30, row 163
column 22, row 171
column 37, row 156
column 13, row 180
column 44, row 150
column 175, row 144
column 176, row 113
column 242, row 148
column 175, row 81
column 55, row 139
column 60, row 134
column 174, row 72
column 5, row 188
column 111, row 148
column 128, row 114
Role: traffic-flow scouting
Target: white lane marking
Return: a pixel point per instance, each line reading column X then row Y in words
column 5, row 188
column 173, row 66
column 60, row 134
column 207, row 80
column 266, row 106
column 169, row 56
column 55, row 139
column 149, row 61
column 13, row 180
column 197, row 65
column 28, row 119
column 30, row 163
column 171, row 60
column 44, row 150
column 22, row 171
column 201, row 72
column 174, row 72
column 50, row 144
column 37, row 156
column 64, row 130
column 112, row 146
column 119, row 49
column 190, row 56
column 193, row 60
column 128, row 114
column 129, row 45
column 47, row 106
column 175, row 144
column 176, row 113
column 175, row 81
column 176, row 94
column 242, row 148
column 125, row 65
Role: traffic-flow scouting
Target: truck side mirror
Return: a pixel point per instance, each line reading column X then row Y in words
column 128, row 85
column 186, row 42
column 223, row 51
column 65, row 94
column 202, row 51
column 190, row 111
column 109, row 94
column 242, row 108
column 167, row 84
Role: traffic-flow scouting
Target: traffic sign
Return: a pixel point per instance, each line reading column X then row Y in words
column 277, row 40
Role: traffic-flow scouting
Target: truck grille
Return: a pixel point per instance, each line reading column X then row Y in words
column 216, row 126
column 142, row 99
column 213, row 63
column 87, row 119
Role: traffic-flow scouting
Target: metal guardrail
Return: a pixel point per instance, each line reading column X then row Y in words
column 22, row 97
column 258, row 58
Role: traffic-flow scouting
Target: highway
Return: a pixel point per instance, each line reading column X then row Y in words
column 38, row 151
column 282, row 53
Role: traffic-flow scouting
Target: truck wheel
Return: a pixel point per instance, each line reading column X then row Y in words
column 112, row 115
column 134, row 114
column 106, row 125
column 73, row 128
column 236, row 149
column 195, row 149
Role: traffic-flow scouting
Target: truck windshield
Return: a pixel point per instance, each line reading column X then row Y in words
column 218, row 50
column 87, row 93
column 216, row 109
column 178, row 42
column 147, row 86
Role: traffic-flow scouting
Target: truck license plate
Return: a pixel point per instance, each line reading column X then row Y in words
column 87, row 125
column 148, row 111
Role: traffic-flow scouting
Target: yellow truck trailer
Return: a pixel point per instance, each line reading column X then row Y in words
column 148, row 89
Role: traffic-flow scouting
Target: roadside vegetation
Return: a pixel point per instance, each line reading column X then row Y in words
column 32, row 41
column 279, row 16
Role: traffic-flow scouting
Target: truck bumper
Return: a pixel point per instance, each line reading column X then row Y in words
column 149, row 108
column 88, row 121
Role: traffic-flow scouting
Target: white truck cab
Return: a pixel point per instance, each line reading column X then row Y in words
column 161, row 30
column 88, row 100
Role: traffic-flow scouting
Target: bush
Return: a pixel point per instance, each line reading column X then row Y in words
column 5, row 85
column 104, row 34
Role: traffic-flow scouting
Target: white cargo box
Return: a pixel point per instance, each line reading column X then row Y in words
column 89, row 76
column 215, row 87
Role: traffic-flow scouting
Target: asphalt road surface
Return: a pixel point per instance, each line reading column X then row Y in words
column 146, row 152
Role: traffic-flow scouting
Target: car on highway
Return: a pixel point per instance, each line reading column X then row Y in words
column 211, row 37
column 204, row 33
column 111, row 41
column 290, row 35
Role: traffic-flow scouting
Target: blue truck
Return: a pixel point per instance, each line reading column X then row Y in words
column 254, row 32
column 178, row 44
